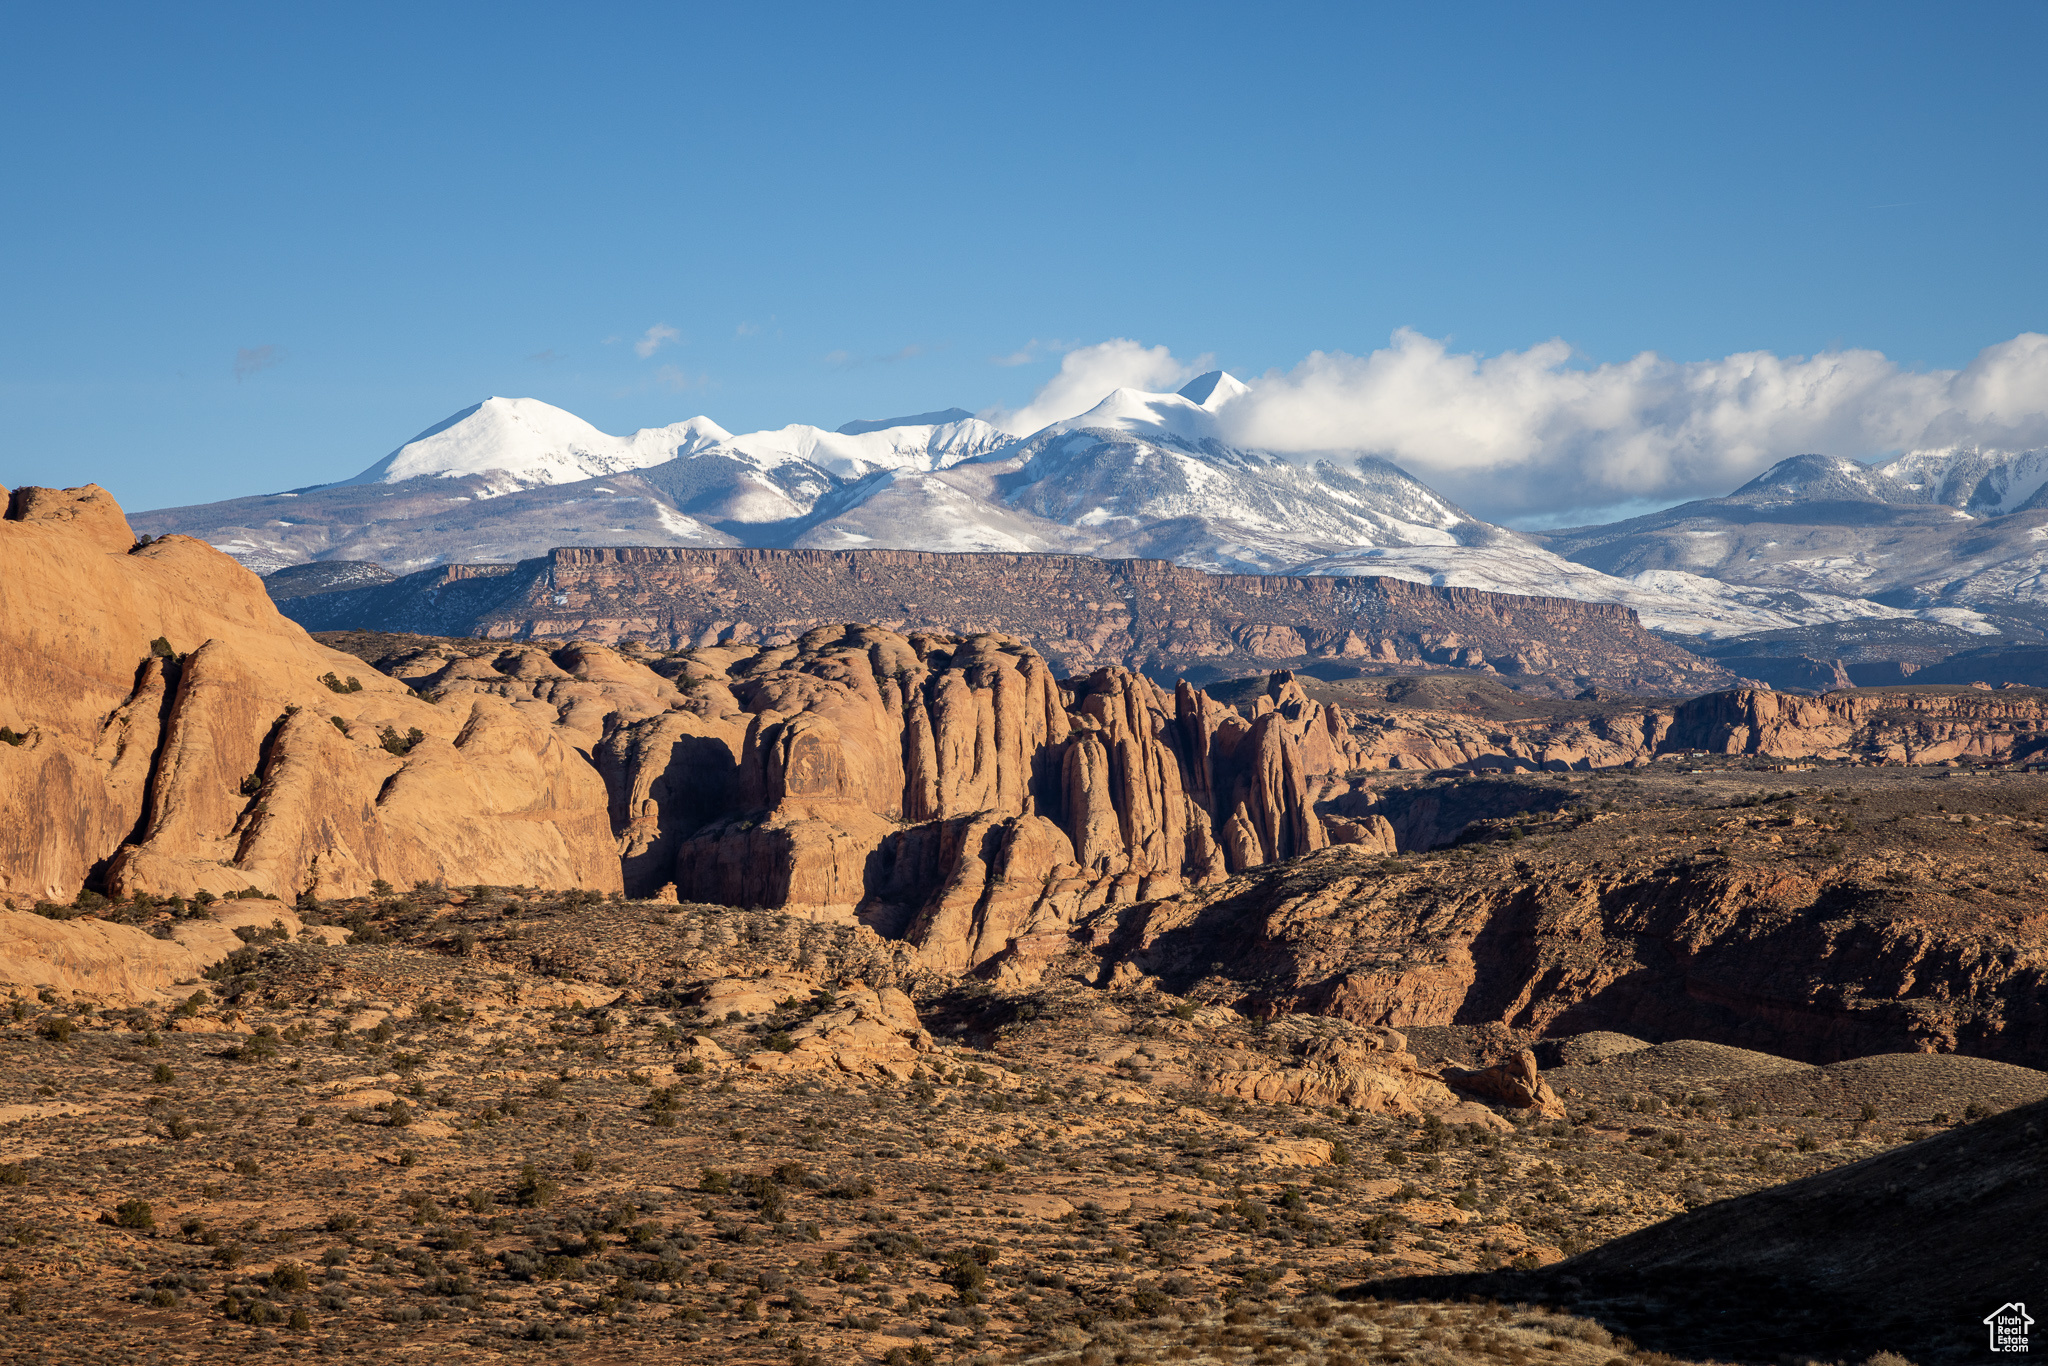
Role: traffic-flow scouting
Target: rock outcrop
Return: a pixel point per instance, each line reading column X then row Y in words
column 1145, row 616
column 1870, row 725
column 951, row 790
column 176, row 734
column 1366, row 1069
column 865, row 1033
column 96, row 960
column 1608, row 932
column 1514, row 1082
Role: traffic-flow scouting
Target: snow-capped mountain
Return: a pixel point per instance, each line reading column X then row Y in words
column 518, row 443
column 1149, row 474
column 1665, row 599
column 1936, row 538
column 523, row 443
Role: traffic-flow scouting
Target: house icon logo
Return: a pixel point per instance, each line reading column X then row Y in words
column 2008, row 1324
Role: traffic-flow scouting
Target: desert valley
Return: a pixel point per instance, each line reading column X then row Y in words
column 1028, row 685
column 869, row 991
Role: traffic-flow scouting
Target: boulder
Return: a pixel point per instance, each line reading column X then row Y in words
column 1514, row 1082
column 865, row 1033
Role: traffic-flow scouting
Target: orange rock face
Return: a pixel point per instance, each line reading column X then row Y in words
column 953, row 791
column 179, row 737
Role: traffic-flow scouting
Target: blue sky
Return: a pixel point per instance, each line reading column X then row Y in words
column 249, row 248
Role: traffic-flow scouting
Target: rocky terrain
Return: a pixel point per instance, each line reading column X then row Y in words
column 1818, row 915
column 969, row 1011
column 497, row 1123
column 1147, row 616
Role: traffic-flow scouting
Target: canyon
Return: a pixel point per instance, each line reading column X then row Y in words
column 960, row 795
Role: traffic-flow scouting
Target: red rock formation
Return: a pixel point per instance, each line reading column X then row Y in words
column 179, row 738
column 1147, row 616
column 951, row 790
column 1513, row 1082
column 1755, row 956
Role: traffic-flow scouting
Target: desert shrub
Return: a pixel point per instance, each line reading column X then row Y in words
column 339, row 686
column 779, row 1041
column 342, row 1222
column 162, row 1075
column 533, row 1189
column 714, row 1182
column 768, row 1197
column 583, row 1160
column 290, row 1276
column 57, row 1029
column 260, row 1046
column 134, row 1214
column 394, row 743
column 248, row 1166
column 13, row 1174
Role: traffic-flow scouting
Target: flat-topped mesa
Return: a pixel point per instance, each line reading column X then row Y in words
column 1148, row 616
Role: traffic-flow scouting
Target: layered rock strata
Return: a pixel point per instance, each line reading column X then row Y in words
column 1870, row 725
column 1817, row 963
column 1146, row 616
column 173, row 734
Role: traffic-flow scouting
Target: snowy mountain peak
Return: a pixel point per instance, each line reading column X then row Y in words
column 1821, row 478
column 1156, row 417
column 1214, row 389
column 517, row 443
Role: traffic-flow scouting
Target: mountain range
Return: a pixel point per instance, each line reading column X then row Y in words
column 1916, row 558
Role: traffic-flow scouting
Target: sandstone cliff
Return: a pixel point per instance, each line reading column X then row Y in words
column 945, row 789
column 1146, row 616
column 177, row 736
column 1869, row 725
column 1799, row 930
column 953, row 791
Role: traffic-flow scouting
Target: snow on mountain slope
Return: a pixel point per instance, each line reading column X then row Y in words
column 1144, row 473
column 518, row 443
column 1823, row 478
column 1668, row 600
column 1988, row 483
column 523, row 443
column 1975, row 480
column 855, row 455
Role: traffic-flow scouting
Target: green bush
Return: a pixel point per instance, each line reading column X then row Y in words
column 134, row 1214
column 56, row 1030
column 533, row 1190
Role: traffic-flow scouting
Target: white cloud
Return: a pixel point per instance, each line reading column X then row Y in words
column 1525, row 434
column 653, row 338
column 677, row 379
column 1087, row 374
